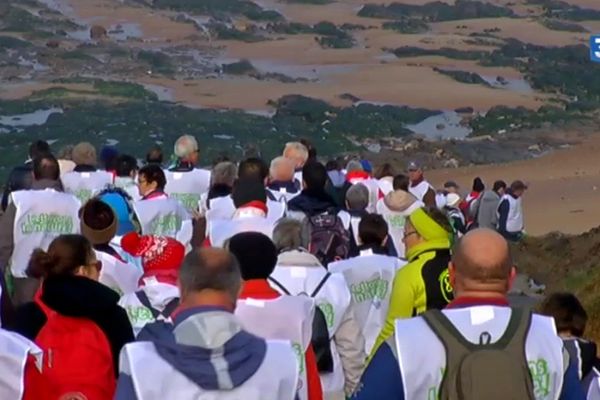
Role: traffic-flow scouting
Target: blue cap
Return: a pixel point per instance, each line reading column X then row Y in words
column 108, row 152
column 122, row 211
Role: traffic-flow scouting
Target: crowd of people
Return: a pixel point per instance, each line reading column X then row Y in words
column 131, row 279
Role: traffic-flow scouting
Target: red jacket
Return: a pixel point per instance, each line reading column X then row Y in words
column 260, row 289
column 37, row 386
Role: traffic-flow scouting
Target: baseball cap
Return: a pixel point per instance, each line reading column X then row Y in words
column 413, row 166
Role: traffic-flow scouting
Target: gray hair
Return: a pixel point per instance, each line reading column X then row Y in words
column 224, row 173
column 357, row 197
column 354, row 165
column 290, row 234
column 282, row 168
column 65, row 153
column 185, row 146
column 300, row 152
column 210, row 269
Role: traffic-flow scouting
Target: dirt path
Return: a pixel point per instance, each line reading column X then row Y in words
column 564, row 187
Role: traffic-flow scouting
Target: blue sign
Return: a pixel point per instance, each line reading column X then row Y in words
column 595, row 48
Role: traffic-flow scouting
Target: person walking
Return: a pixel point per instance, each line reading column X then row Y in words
column 510, row 212
column 478, row 347
column 422, row 284
column 486, row 208
column 205, row 351
column 33, row 218
column 75, row 320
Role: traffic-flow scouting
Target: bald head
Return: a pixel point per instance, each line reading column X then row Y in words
column 481, row 261
column 210, row 269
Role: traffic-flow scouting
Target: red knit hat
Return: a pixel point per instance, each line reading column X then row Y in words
column 158, row 253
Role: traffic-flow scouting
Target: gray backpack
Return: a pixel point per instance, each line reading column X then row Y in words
column 490, row 371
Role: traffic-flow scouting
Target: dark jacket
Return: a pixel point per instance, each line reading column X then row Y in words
column 20, row 178
column 7, row 222
column 76, row 296
column 85, row 168
column 312, row 202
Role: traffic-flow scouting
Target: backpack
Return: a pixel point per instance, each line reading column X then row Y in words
column 73, row 348
column 491, row 371
column 165, row 314
column 328, row 239
column 320, row 332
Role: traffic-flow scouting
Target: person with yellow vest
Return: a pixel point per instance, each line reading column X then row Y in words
column 423, row 283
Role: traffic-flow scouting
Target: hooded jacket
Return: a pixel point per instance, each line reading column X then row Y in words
column 487, row 210
column 423, row 283
column 198, row 341
column 77, row 296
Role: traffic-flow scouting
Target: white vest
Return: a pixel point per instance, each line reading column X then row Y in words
column 283, row 195
column 187, row 187
column 285, row 318
column 222, row 229
column 350, row 221
column 223, row 208
column 386, row 185
column 164, row 217
column 15, row 350
column 333, row 299
column 42, row 216
column 370, row 278
column 117, row 275
column 422, row 371
column 275, row 379
column 85, row 185
column 396, row 221
column 514, row 222
column 159, row 294
column 129, row 186
column 420, row 190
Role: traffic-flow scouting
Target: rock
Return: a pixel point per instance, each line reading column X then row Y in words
column 501, row 80
column 440, row 127
column 439, row 153
column 53, row 44
column 412, row 145
column 534, row 148
column 464, row 110
column 349, row 96
column 98, row 32
column 451, row 163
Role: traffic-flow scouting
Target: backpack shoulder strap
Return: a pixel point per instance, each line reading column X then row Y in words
column 513, row 339
column 320, row 285
column 170, row 307
column 279, row 285
column 143, row 298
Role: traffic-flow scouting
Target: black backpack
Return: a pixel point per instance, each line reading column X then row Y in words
column 491, row 371
column 320, row 333
column 328, row 239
